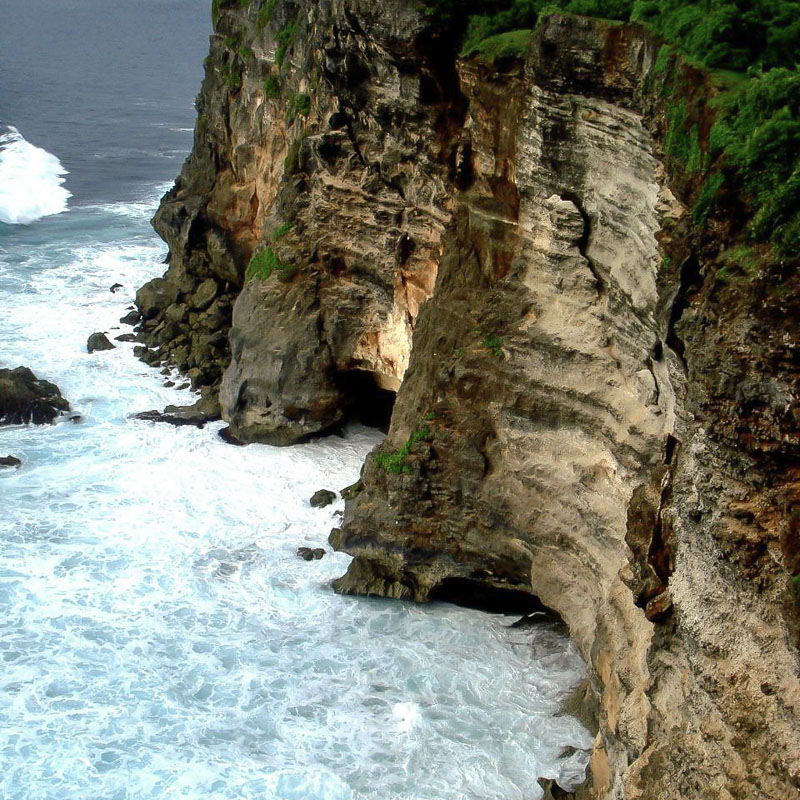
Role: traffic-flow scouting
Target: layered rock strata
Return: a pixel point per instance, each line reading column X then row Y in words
column 599, row 407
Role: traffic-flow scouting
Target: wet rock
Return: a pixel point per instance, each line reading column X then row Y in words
column 115, row 288
column 322, row 498
column 131, row 318
column 98, row 341
column 310, row 553
column 228, row 437
column 24, row 398
column 206, row 409
column 10, row 461
column 350, row 492
column 125, row 337
column 155, row 296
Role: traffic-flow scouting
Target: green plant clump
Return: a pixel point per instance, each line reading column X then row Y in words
column 272, row 88
column 299, row 104
column 494, row 344
column 285, row 40
column 263, row 264
column 395, row 462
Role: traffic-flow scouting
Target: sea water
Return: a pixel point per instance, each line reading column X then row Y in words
column 159, row 637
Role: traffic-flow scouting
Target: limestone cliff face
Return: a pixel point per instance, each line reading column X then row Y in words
column 337, row 160
column 590, row 409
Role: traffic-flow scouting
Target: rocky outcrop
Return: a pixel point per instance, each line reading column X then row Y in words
column 598, row 414
column 26, row 399
column 554, row 433
column 334, row 140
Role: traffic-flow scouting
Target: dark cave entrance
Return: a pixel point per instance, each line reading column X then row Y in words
column 367, row 402
column 471, row 593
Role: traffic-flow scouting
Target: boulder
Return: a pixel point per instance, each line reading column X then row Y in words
column 10, row 461
column 25, row 399
column 131, row 318
column 154, row 297
column 322, row 498
column 98, row 341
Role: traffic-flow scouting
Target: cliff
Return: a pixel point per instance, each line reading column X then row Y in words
column 595, row 381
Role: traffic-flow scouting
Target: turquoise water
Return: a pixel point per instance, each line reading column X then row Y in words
column 159, row 638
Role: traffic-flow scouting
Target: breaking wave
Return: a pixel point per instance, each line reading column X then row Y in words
column 31, row 180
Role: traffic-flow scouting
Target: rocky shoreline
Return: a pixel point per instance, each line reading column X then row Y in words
column 591, row 404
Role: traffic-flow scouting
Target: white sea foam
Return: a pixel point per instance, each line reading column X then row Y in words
column 31, row 180
column 160, row 638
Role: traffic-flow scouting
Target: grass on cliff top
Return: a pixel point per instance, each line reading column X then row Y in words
column 512, row 44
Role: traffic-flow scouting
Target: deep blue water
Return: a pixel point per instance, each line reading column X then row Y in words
column 106, row 85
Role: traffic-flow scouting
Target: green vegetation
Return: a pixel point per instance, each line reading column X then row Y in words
column 299, row 104
column 272, row 88
column 286, row 38
column 396, row 462
column 705, row 198
column 494, row 344
column 758, row 133
column 281, row 231
column 796, row 588
column 513, row 44
column 264, row 16
column 291, row 164
column 263, row 264
column 232, row 75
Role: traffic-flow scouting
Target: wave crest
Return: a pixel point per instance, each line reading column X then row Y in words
column 30, row 180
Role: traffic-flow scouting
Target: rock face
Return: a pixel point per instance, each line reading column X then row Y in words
column 25, row 399
column 599, row 409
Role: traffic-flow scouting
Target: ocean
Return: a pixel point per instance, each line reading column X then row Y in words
column 159, row 637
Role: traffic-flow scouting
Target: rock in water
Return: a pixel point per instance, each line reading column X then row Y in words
column 310, row 553
column 25, row 399
column 131, row 318
column 322, row 498
column 99, row 341
column 115, row 288
column 10, row 461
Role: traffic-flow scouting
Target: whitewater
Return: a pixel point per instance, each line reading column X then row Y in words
column 30, row 180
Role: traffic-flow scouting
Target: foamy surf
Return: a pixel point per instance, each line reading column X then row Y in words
column 31, row 180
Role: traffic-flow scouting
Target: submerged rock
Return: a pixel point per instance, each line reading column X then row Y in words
column 322, row 498
column 98, row 341
column 310, row 553
column 10, row 461
column 24, row 398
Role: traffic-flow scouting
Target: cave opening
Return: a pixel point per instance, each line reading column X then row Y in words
column 367, row 401
column 476, row 594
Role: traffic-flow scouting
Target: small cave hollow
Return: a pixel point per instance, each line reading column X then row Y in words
column 367, row 401
column 471, row 593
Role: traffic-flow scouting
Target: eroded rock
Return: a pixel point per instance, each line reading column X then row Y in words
column 98, row 341
column 24, row 398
